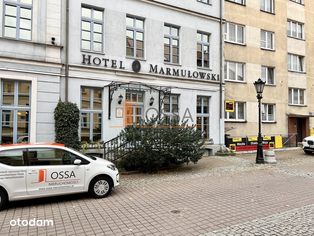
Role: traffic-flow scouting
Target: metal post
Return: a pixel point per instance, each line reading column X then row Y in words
column 259, row 153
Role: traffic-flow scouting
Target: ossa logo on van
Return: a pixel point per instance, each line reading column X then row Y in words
column 62, row 174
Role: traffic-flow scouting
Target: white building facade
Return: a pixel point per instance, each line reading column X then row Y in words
column 122, row 63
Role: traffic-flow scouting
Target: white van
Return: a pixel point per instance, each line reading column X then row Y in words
column 40, row 170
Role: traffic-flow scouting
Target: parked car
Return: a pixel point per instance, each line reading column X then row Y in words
column 308, row 145
column 31, row 171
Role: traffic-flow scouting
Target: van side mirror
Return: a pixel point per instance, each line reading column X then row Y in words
column 77, row 162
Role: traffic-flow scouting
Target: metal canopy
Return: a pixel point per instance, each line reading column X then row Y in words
column 113, row 86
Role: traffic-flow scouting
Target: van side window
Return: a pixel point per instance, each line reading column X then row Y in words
column 13, row 157
column 51, row 156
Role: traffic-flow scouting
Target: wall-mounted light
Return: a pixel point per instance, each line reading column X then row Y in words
column 151, row 101
column 53, row 40
column 120, row 98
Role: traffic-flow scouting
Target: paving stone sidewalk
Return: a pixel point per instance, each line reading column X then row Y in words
column 214, row 196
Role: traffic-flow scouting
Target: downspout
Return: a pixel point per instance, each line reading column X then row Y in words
column 221, row 99
column 66, row 51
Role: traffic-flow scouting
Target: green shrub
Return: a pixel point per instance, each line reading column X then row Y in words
column 157, row 145
column 67, row 116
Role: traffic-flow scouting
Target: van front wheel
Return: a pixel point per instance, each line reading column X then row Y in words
column 100, row 187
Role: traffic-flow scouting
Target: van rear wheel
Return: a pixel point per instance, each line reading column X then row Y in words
column 3, row 199
column 100, row 187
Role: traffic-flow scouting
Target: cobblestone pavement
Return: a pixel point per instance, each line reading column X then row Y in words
column 218, row 196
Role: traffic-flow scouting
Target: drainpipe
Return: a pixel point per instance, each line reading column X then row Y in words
column 66, row 51
column 221, row 99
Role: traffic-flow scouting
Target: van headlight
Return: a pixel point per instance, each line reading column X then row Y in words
column 111, row 166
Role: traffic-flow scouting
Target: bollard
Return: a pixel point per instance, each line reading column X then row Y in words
column 270, row 156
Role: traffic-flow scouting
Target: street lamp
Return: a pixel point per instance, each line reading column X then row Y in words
column 259, row 86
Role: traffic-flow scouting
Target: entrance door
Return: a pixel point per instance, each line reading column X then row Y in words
column 298, row 129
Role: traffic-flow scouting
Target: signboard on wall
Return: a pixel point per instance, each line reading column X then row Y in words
column 229, row 105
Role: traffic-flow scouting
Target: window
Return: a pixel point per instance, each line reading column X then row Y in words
column 14, row 111
column 18, row 19
column 268, row 112
column 205, row 1
column 268, row 6
column 296, row 63
column 51, row 156
column 91, row 114
column 267, row 75
column 202, row 116
column 171, row 108
column 298, row 1
column 238, row 114
column 234, row 33
column 242, row 2
column 171, row 44
column 203, row 50
column 295, row 29
column 13, row 157
column 134, row 37
column 296, row 96
column 134, row 107
column 267, row 40
column 92, row 29
column 234, row 71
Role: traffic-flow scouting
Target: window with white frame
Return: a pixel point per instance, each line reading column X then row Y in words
column 91, row 114
column 205, row 1
column 295, row 29
column 296, row 63
column 234, row 71
column 238, row 114
column 296, row 96
column 234, row 33
column 171, row 44
column 298, row 1
column 15, row 111
column 242, row 2
column 268, row 112
column 92, row 29
column 203, row 50
column 268, row 75
column 267, row 40
column 202, row 115
column 171, row 108
column 18, row 19
column 134, row 37
column 268, row 6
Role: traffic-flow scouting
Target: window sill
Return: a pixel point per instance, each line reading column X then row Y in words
column 268, row 49
column 208, row 4
column 298, row 72
column 93, row 52
column 236, row 3
column 236, row 81
column 235, row 43
column 271, row 85
column 268, row 12
column 172, row 64
column 235, row 121
column 30, row 42
column 135, row 58
column 204, row 68
column 297, row 3
column 297, row 105
column 301, row 39
column 269, row 122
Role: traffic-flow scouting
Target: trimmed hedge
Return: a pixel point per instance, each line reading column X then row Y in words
column 158, row 145
column 67, row 117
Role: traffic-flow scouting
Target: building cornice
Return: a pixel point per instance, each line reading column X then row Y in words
column 183, row 10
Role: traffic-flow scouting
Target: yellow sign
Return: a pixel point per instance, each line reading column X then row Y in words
column 237, row 140
column 229, row 105
column 252, row 139
column 267, row 138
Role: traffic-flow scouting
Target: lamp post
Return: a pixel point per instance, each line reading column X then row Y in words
column 259, row 86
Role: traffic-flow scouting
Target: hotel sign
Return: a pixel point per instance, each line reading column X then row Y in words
column 153, row 69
